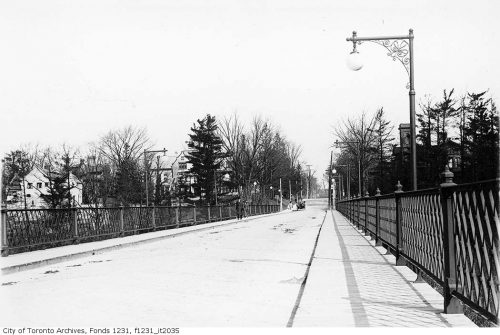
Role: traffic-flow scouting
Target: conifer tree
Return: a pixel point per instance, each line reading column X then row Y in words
column 206, row 156
column 482, row 137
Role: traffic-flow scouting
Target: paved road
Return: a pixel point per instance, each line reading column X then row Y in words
column 246, row 274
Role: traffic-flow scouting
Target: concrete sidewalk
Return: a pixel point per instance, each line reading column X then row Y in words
column 352, row 283
column 34, row 259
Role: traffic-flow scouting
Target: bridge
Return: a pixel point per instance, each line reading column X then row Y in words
column 313, row 267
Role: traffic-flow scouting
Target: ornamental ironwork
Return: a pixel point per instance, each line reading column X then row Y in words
column 397, row 50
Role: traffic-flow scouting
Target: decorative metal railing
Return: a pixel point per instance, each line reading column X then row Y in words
column 476, row 226
column 448, row 235
column 34, row 229
column 422, row 231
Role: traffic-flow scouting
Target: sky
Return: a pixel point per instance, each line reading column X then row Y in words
column 70, row 71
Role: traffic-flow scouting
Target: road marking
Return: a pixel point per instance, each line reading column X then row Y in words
column 303, row 285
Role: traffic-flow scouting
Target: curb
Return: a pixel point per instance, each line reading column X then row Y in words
column 97, row 251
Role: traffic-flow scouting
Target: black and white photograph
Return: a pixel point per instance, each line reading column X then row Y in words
column 236, row 166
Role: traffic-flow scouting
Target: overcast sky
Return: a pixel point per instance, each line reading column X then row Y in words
column 72, row 70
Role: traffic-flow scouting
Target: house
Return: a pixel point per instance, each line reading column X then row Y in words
column 36, row 184
column 174, row 173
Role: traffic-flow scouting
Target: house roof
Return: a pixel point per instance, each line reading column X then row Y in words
column 48, row 173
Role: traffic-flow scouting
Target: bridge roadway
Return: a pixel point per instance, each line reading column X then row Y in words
column 251, row 273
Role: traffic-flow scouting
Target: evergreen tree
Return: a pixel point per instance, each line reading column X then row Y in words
column 206, row 156
column 382, row 130
column 58, row 193
column 435, row 124
column 443, row 113
column 128, row 185
column 426, row 124
column 481, row 136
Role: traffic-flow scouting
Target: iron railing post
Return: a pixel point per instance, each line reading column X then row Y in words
column 194, row 215
column 177, row 217
column 349, row 210
column 208, row 212
column 4, row 240
column 353, row 221
column 359, row 212
column 378, row 242
column 153, row 219
column 135, row 222
column 451, row 303
column 220, row 213
column 399, row 223
column 366, row 214
column 122, row 223
column 75, row 225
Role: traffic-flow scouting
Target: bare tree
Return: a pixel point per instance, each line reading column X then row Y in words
column 231, row 131
column 126, row 144
column 17, row 165
column 260, row 154
column 123, row 148
column 359, row 142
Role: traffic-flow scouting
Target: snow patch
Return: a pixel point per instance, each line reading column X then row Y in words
column 293, row 280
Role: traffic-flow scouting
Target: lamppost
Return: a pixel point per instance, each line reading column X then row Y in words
column 348, row 177
column 359, row 160
column 400, row 48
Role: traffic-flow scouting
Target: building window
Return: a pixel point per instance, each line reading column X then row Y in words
column 38, row 185
column 28, row 195
column 182, row 166
column 30, row 185
column 46, row 184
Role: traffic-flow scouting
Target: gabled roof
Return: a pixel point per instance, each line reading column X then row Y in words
column 47, row 174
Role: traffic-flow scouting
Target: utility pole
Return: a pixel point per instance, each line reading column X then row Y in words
column 330, row 181
column 308, row 180
column 281, row 197
column 301, row 187
column 215, row 188
column 157, row 187
column 146, row 168
column 146, row 177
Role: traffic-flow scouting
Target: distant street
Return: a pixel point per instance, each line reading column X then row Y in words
column 246, row 274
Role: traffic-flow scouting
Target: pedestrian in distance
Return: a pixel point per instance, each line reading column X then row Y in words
column 239, row 209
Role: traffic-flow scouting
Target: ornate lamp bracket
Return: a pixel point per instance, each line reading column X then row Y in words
column 398, row 48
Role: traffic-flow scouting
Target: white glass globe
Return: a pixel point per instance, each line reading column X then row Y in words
column 354, row 61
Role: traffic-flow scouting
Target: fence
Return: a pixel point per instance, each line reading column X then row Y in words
column 35, row 229
column 448, row 235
